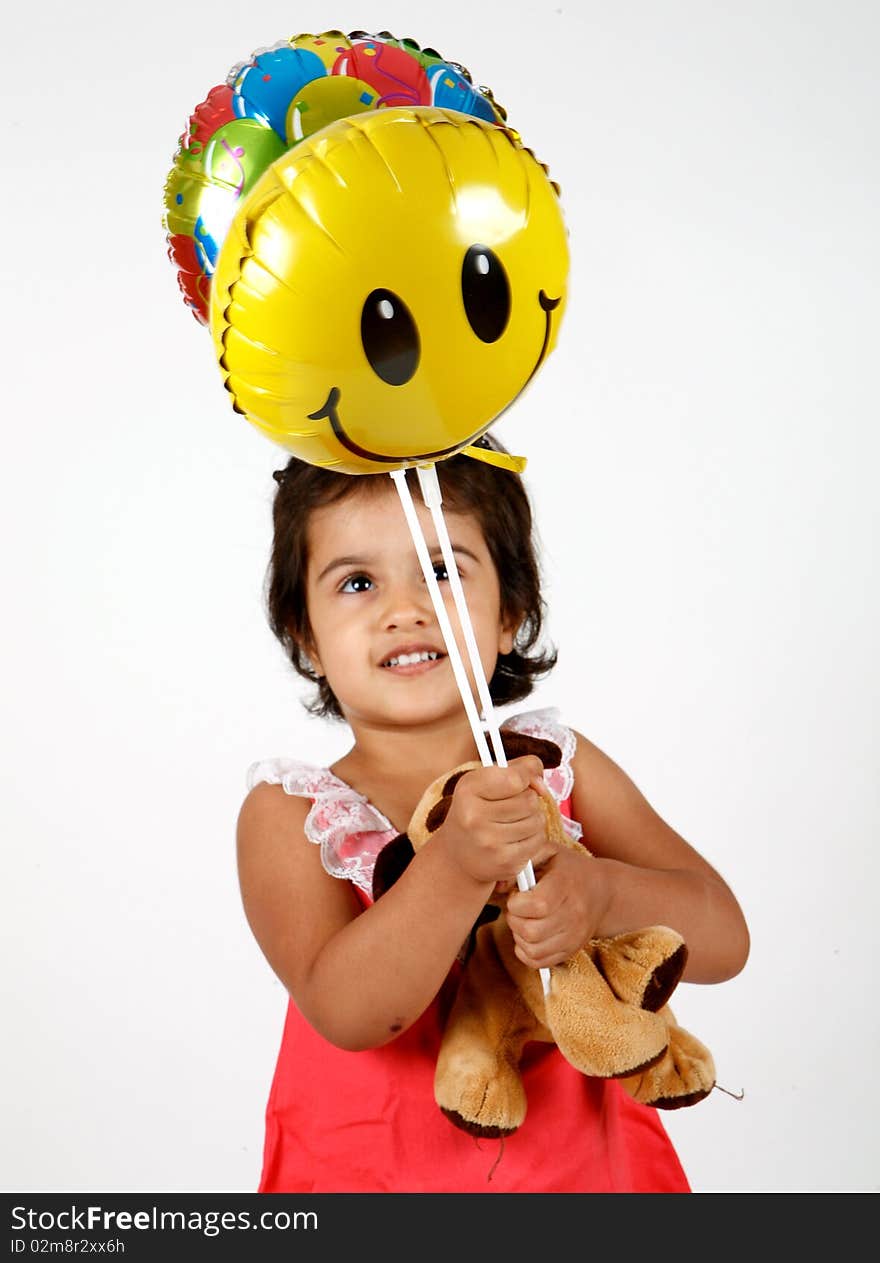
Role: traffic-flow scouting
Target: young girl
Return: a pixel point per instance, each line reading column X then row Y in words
column 352, row 1106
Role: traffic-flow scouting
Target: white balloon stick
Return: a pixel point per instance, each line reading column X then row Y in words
column 432, row 495
column 429, row 484
column 464, row 688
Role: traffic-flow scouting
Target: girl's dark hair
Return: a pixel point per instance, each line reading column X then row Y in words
column 498, row 501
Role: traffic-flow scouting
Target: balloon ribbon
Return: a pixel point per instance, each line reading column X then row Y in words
column 504, row 460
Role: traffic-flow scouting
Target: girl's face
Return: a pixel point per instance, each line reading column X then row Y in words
column 375, row 636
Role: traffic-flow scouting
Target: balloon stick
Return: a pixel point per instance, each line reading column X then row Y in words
column 415, row 529
column 433, row 498
column 431, row 493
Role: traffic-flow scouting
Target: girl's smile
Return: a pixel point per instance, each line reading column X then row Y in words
column 413, row 660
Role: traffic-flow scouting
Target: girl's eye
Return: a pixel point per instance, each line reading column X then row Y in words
column 357, row 583
column 440, row 571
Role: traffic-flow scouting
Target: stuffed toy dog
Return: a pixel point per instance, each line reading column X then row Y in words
column 607, row 1010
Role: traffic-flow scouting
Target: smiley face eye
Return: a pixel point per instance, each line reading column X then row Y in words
column 486, row 293
column 390, row 337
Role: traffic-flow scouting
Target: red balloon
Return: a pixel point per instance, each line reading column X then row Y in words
column 194, row 284
column 398, row 77
column 214, row 111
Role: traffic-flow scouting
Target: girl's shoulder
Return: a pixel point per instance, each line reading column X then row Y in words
column 547, row 725
column 346, row 826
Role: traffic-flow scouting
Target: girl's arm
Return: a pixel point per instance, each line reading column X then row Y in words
column 643, row 873
column 362, row 977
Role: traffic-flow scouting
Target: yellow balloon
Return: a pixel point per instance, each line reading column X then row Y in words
column 328, row 45
column 388, row 287
column 323, row 101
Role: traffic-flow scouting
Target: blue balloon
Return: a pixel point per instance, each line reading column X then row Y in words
column 265, row 88
column 449, row 91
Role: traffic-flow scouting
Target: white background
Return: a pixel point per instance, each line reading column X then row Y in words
column 703, row 461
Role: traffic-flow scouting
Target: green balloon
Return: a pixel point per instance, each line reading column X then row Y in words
column 239, row 152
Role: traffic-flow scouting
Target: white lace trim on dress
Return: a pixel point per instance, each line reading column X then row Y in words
column 347, row 827
column 351, row 832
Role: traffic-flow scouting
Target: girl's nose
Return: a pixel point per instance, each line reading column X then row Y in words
column 407, row 605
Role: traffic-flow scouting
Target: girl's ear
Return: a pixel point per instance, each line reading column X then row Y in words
column 308, row 647
column 509, row 628
column 314, row 661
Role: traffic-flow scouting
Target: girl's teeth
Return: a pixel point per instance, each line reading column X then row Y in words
column 409, row 659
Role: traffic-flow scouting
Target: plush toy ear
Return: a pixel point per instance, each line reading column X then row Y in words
column 391, row 862
column 516, row 744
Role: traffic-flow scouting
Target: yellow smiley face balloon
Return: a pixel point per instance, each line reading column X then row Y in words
column 388, row 287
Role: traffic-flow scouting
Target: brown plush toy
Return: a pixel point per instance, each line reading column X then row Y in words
column 607, row 1010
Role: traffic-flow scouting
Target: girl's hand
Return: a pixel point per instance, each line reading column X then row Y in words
column 562, row 912
column 496, row 823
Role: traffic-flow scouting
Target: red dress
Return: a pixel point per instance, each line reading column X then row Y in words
column 367, row 1122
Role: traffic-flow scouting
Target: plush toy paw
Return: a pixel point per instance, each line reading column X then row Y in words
column 599, row 1034
column 684, row 1075
column 607, row 1009
column 477, row 1083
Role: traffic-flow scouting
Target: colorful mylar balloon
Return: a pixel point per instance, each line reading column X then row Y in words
column 277, row 98
column 382, row 263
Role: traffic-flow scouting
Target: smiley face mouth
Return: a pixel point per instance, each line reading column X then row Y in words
column 329, row 409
